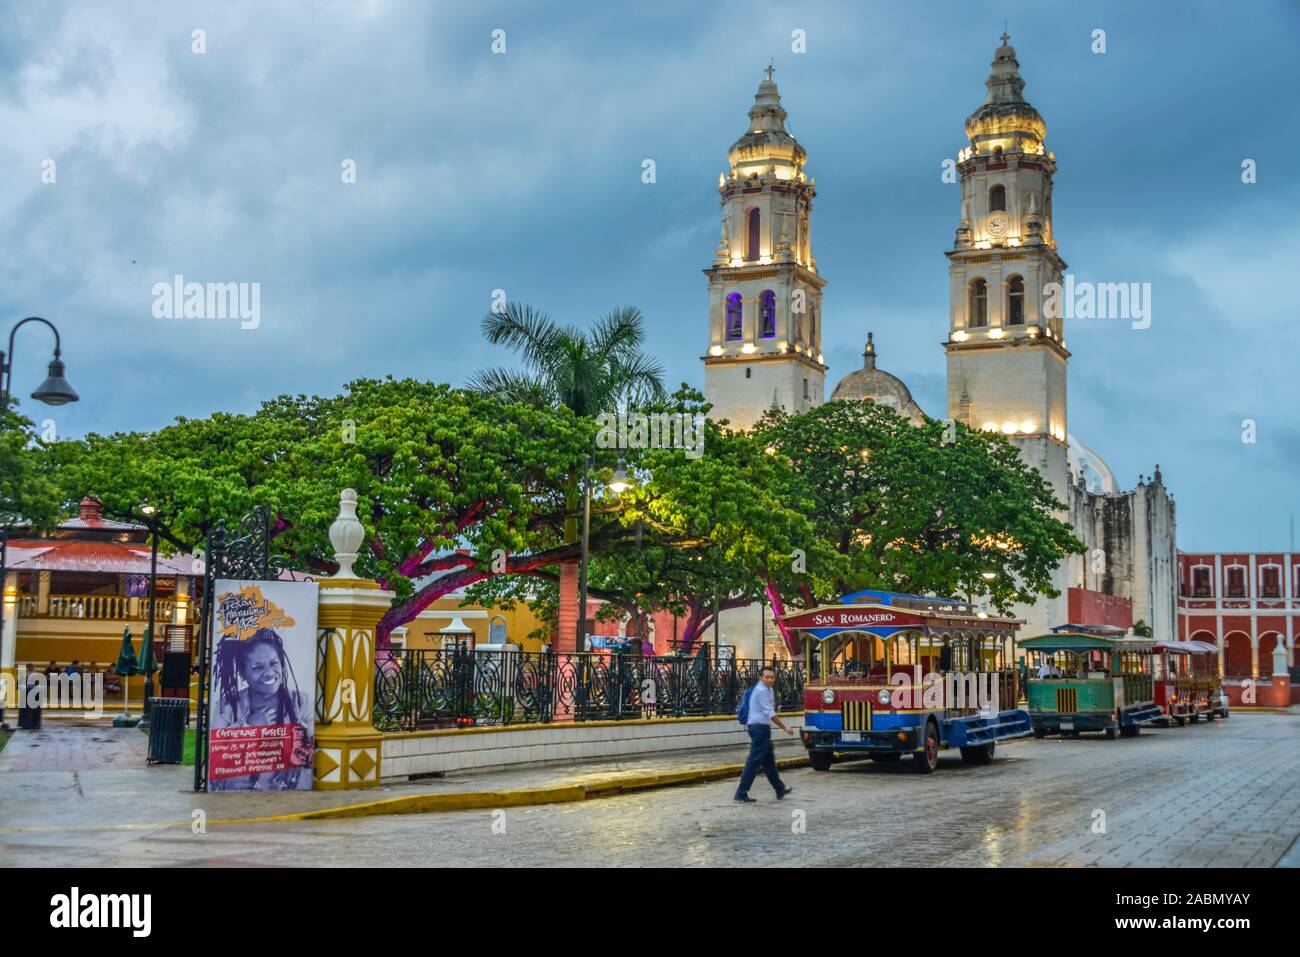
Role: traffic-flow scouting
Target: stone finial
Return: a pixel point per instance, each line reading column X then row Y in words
column 346, row 534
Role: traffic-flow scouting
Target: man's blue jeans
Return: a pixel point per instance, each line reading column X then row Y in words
column 761, row 755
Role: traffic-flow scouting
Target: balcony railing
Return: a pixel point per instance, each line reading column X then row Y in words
column 95, row 607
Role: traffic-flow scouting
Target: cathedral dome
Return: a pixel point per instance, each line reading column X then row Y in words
column 767, row 143
column 870, row 384
column 1005, row 117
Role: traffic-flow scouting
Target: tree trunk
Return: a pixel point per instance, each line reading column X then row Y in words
column 566, row 637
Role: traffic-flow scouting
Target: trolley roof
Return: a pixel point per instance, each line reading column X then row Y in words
column 1080, row 641
column 889, row 613
column 1188, row 647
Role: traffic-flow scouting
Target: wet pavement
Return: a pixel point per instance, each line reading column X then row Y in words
column 1224, row 794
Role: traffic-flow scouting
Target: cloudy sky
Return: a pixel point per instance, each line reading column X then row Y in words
column 522, row 171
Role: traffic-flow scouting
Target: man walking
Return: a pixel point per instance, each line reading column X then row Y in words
column 762, row 715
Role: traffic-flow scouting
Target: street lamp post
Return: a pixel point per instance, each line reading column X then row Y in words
column 149, row 512
column 617, row 484
column 55, row 390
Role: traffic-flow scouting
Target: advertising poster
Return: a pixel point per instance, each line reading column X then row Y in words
column 262, row 706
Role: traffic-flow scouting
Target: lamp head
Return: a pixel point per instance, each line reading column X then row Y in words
column 56, row 389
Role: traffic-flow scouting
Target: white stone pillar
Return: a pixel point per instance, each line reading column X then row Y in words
column 180, row 607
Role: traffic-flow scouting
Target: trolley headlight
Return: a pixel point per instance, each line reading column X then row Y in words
column 882, row 696
column 828, row 696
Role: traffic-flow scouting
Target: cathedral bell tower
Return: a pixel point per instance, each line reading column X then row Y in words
column 765, row 294
column 1006, row 358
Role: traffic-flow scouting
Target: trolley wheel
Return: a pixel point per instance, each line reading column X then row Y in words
column 1130, row 730
column 979, row 754
column 1071, row 734
column 887, row 757
column 1181, row 722
column 1039, row 733
column 821, row 760
column 1196, row 719
column 926, row 761
column 1111, row 734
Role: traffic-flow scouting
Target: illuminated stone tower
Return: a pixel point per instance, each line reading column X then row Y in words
column 1006, row 358
column 764, row 291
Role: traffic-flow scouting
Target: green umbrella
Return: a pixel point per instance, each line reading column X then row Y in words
column 126, row 665
column 148, row 664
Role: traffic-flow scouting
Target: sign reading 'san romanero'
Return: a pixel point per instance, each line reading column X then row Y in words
column 262, row 710
column 853, row 618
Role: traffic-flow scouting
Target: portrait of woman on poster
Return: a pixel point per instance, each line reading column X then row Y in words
column 255, row 686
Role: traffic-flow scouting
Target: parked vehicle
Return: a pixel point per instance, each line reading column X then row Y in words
column 1090, row 678
column 892, row 675
column 1187, row 682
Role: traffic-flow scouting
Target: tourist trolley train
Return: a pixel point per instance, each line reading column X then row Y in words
column 892, row 674
column 1187, row 682
column 1090, row 678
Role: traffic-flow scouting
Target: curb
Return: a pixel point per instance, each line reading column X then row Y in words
column 518, row 797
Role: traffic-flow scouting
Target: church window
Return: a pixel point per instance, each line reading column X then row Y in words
column 767, row 311
column 998, row 198
column 805, row 388
column 734, row 314
column 749, row 373
column 812, row 325
column 1015, row 301
column 752, row 233
column 979, row 303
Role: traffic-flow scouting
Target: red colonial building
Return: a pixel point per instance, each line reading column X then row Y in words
column 1246, row 603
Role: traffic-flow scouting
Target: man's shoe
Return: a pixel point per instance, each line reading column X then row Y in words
column 783, row 793
column 744, row 799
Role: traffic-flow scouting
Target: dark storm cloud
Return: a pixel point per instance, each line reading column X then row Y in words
column 523, row 172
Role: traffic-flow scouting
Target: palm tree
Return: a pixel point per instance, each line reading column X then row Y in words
column 589, row 373
column 586, row 372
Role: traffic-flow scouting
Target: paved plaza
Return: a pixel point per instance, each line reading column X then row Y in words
column 1224, row 794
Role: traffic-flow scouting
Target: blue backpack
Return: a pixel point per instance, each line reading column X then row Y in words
column 742, row 713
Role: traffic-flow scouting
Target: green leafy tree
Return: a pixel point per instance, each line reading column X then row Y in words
column 587, row 373
column 692, row 532
column 29, row 494
column 454, row 486
column 936, row 508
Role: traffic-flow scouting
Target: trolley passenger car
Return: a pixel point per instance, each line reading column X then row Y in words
column 1187, row 682
column 1090, row 678
column 892, row 674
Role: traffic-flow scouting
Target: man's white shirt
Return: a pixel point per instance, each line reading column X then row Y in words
column 762, row 705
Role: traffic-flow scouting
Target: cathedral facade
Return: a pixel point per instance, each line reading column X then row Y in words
column 1005, row 349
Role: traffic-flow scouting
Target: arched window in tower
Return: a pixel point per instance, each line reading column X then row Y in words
column 998, row 198
column 979, row 303
column 812, row 325
column 767, row 312
column 752, row 222
column 734, row 317
column 1015, row 301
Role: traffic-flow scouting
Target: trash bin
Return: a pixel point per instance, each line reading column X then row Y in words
column 167, row 720
column 29, row 718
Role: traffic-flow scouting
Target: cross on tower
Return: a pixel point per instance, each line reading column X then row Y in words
column 770, row 70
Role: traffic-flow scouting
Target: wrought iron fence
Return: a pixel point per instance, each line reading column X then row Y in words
column 420, row 689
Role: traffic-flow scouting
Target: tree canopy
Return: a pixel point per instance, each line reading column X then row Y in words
column 936, row 508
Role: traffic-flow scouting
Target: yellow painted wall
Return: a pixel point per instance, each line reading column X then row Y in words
column 423, row 632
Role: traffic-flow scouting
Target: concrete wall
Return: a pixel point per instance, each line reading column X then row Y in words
column 426, row 752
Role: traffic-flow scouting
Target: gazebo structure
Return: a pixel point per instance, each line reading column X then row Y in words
column 69, row 595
